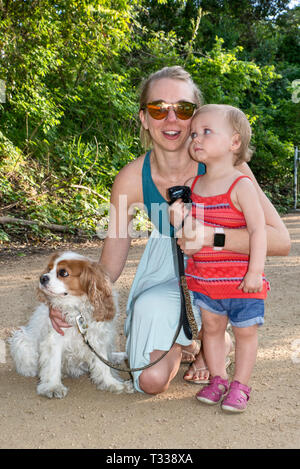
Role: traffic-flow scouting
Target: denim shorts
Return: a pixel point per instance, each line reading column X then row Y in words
column 241, row 312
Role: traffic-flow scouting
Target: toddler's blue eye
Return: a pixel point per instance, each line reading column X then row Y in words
column 193, row 135
column 207, row 131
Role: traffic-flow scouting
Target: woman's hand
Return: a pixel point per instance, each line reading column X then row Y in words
column 193, row 236
column 177, row 213
column 57, row 321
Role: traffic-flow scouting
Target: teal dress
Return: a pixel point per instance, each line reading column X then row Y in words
column 153, row 307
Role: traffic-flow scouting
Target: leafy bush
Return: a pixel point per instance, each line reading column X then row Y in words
column 72, row 71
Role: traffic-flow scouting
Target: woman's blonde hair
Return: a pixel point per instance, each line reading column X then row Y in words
column 240, row 125
column 175, row 73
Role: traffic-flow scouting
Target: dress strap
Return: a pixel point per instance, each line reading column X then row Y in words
column 194, row 182
column 235, row 181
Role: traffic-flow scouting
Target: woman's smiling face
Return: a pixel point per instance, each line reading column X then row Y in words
column 170, row 133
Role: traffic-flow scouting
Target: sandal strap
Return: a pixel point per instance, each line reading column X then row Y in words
column 237, row 386
column 203, row 368
column 219, row 380
column 193, row 354
column 237, row 397
column 213, row 390
column 194, row 369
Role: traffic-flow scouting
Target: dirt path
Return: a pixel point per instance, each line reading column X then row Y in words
column 88, row 418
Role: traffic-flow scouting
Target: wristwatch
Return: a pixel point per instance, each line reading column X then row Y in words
column 219, row 239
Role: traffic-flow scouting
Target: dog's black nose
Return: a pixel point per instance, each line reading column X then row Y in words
column 44, row 279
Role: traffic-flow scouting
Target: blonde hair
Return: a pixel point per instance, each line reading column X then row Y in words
column 239, row 123
column 175, row 73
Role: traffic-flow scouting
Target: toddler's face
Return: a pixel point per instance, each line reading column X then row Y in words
column 211, row 136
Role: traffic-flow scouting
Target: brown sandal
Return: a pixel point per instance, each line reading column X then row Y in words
column 195, row 370
column 190, row 357
column 203, row 368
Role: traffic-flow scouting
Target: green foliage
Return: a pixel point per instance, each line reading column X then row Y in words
column 72, row 70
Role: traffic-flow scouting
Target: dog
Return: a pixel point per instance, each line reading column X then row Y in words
column 74, row 285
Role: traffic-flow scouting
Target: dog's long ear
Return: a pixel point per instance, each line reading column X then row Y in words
column 98, row 288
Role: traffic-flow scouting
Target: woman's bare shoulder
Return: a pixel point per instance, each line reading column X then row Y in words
column 129, row 179
column 132, row 169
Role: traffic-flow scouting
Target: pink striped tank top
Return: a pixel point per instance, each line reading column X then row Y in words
column 219, row 273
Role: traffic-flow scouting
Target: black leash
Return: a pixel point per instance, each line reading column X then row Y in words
column 83, row 328
column 189, row 324
column 186, row 320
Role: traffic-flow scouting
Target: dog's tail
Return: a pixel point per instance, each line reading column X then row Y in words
column 24, row 352
column 24, row 343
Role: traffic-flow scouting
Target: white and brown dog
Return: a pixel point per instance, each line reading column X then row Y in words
column 72, row 284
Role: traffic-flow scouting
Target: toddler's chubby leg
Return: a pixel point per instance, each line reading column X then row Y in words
column 245, row 352
column 214, row 327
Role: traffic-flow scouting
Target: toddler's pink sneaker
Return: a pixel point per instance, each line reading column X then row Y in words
column 214, row 391
column 237, row 398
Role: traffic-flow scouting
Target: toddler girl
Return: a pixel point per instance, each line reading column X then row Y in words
column 226, row 284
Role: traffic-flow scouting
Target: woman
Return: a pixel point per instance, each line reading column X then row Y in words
column 167, row 102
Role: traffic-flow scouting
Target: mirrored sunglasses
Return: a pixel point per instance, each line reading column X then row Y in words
column 159, row 109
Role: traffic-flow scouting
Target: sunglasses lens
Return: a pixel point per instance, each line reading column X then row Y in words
column 157, row 111
column 184, row 110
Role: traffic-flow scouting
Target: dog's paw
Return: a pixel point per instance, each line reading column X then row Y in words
column 118, row 357
column 123, row 386
column 115, row 386
column 59, row 391
column 128, row 386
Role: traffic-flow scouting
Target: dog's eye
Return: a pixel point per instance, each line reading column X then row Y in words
column 63, row 273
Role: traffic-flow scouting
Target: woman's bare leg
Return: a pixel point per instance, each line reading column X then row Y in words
column 157, row 378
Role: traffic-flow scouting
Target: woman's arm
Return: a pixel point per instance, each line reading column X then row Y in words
column 117, row 242
column 126, row 192
column 278, row 240
column 245, row 198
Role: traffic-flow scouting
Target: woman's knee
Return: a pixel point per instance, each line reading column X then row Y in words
column 153, row 382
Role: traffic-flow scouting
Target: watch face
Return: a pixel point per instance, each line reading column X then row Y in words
column 219, row 240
